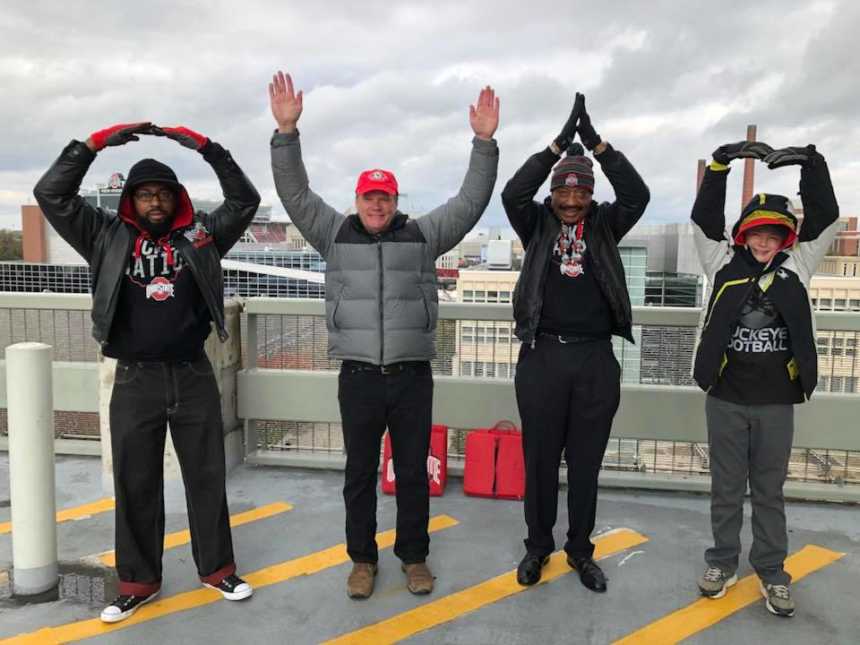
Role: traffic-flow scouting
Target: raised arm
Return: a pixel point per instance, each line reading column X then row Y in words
column 519, row 192
column 709, row 218
column 241, row 199
column 820, row 210
column 76, row 221
column 317, row 221
column 631, row 193
column 446, row 225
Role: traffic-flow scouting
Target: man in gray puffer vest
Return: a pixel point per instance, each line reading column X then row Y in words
column 381, row 311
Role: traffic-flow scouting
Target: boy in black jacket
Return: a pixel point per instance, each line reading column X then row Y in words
column 756, row 356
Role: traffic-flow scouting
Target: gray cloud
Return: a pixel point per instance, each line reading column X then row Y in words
column 389, row 85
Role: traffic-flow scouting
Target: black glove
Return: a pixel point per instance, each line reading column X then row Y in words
column 791, row 156
column 589, row 137
column 741, row 150
column 565, row 137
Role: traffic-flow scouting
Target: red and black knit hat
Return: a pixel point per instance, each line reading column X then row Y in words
column 766, row 209
column 574, row 171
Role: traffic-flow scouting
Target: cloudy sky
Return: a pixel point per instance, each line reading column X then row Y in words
column 388, row 85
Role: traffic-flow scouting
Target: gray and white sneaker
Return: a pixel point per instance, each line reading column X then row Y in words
column 778, row 599
column 715, row 582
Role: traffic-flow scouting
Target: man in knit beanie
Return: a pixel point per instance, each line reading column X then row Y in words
column 570, row 298
column 157, row 289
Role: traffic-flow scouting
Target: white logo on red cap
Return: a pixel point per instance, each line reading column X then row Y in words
column 378, row 175
column 571, row 180
column 159, row 289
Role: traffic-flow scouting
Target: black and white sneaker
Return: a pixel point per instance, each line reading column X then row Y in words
column 232, row 588
column 123, row 607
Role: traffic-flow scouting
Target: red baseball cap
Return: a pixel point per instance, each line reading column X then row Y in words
column 376, row 179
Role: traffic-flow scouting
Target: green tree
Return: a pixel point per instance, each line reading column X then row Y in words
column 10, row 245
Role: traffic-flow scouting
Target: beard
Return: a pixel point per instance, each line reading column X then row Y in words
column 155, row 230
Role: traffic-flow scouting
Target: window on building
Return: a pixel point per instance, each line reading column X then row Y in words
column 825, row 303
column 479, row 368
column 490, row 370
column 836, row 383
column 850, row 346
column 466, row 368
column 503, row 335
column 467, row 334
column 504, row 296
column 480, row 296
column 823, row 345
column 839, row 304
column 824, row 383
column 854, row 304
column 838, row 345
column 492, row 296
column 851, row 384
column 468, row 295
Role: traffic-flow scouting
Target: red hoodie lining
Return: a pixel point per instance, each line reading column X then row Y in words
column 183, row 218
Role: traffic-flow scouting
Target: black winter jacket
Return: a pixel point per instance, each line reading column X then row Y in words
column 106, row 239
column 732, row 272
column 605, row 225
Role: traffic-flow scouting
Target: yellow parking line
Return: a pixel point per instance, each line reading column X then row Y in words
column 74, row 513
column 455, row 605
column 706, row 612
column 282, row 572
column 172, row 540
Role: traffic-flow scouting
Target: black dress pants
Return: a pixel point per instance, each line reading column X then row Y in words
column 567, row 395
column 402, row 401
column 146, row 395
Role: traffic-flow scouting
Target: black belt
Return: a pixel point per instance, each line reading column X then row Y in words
column 566, row 339
column 393, row 368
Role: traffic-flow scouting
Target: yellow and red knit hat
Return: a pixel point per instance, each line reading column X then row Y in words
column 766, row 210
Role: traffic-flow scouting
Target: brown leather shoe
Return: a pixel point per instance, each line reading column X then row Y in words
column 360, row 582
column 419, row 580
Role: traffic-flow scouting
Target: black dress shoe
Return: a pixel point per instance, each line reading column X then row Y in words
column 589, row 573
column 528, row 572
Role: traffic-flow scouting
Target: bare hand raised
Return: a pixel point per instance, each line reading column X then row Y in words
column 484, row 116
column 285, row 103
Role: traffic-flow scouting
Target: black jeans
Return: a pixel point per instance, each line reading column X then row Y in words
column 146, row 396
column 567, row 396
column 369, row 402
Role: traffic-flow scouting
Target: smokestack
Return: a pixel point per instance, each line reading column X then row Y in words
column 700, row 174
column 749, row 171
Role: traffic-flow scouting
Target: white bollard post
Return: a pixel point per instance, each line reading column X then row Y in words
column 29, row 398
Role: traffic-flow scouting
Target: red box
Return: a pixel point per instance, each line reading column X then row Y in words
column 437, row 463
column 494, row 463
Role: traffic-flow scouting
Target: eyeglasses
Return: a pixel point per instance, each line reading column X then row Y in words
column 163, row 195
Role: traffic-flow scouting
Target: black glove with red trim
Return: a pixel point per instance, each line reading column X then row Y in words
column 119, row 135
column 181, row 134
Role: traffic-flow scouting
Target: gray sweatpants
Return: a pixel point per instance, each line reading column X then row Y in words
column 749, row 442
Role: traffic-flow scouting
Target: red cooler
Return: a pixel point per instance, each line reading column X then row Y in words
column 437, row 462
column 494, row 462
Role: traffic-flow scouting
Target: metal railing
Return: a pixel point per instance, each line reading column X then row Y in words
column 288, row 391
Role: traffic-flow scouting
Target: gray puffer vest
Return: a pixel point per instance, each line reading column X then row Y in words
column 381, row 302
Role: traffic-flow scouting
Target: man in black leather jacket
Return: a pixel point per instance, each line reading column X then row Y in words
column 157, row 288
column 570, row 298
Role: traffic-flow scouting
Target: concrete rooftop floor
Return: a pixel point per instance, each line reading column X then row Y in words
column 647, row 582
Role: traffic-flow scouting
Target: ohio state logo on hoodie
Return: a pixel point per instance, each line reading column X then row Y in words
column 155, row 266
